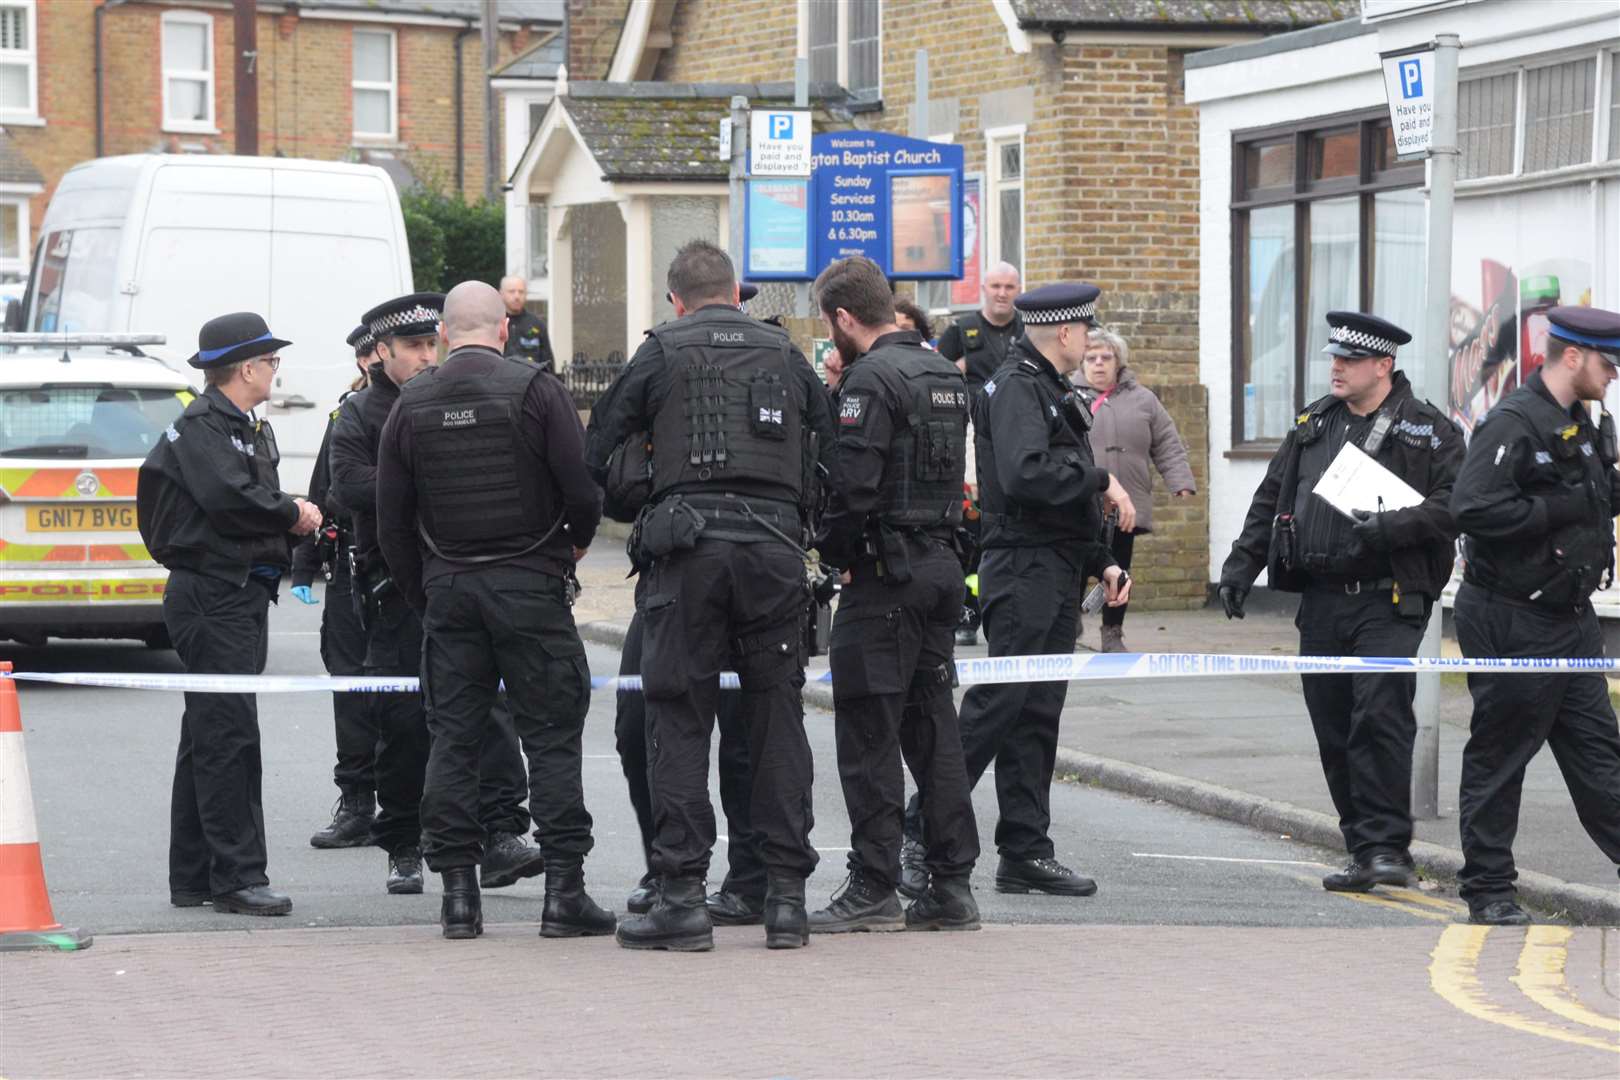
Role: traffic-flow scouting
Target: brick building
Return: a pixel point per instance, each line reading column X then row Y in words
column 1081, row 151
column 398, row 83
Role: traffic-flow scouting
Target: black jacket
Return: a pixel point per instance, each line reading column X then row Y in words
column 554, row 444
column 981, row 343
column 353, row 452
column 307, row 555
column 1038, row 483
column 1537, row 498
column 209, row 499
column 526, row 339
column 1422, row 447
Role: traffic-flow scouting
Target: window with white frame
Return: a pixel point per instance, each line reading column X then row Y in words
column 1004, row 207
column 843, row 40
column 1539, row 117
column 375, row 85
column 13, row 238
column 19, row 61
column 188, row 71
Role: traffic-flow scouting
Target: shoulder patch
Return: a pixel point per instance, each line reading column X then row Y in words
column 170, row 433
column 971, row 333
column 990, row 387
column 1568, row 433
column 851, row 410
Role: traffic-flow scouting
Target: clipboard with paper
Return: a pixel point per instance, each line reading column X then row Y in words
column 1354, row 481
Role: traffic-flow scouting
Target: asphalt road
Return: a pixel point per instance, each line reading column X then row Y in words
column 101, row 764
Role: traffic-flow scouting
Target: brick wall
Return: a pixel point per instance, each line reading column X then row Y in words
column 731, row 41
column 593, row 34
column 305, row 100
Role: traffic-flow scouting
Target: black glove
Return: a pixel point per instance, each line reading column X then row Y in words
column 1567, row 504
column 1369, row 529
column 1232, row 597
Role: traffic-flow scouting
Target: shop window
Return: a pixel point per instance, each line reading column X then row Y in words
column 1324, row 217
column 844, row 44
column 1558, row 114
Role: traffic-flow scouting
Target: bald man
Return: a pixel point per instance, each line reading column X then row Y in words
column 484, row 505
column 526, row 337
column 978, row 342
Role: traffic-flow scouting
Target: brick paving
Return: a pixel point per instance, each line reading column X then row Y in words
column 1005, row 1002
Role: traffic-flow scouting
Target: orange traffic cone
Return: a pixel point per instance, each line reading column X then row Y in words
column 26, row 919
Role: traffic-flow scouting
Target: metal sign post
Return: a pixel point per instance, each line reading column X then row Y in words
column 1422, row 89
column 738, row 190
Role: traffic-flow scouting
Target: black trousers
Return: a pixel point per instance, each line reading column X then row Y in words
column 484, row 626
column 892, row 677
column 1514, row 715
column 216, row 811
column 343, row 652
column 404, row 744
column 1124, row 546
column 721, row 602
column 745, row 873
column 971, row 614
column 1364, row 723
column 1031, row 598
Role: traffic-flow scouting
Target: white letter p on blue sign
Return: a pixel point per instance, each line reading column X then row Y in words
column 1411, row 79
column 782, row 125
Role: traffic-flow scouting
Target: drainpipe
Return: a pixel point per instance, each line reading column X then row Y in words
column 100, row 65
column 461, row 123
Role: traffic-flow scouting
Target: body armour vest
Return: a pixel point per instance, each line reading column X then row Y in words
column 734, row 413
column 1563, row 567
column 476, row 499
column 922, row 477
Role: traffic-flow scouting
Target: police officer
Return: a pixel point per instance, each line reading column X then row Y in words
column 1536, row 499
column 892, row 518
column 406, row 334
column 484, row 506
column 210, row 508
column 343, row 637
column 526, row 332
column 619, row 467
column 730, row 405
column 1042, row 522
column 978, row 342
column 1369, row 582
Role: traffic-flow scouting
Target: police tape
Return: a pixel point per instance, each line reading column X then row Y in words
column 1053, row 667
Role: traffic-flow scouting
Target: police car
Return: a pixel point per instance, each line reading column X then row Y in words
column 78, row 413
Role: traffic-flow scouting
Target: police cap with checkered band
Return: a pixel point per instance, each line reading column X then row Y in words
column 1355, row 335
column 361, row 340
column 1066, row 302
column 415, row 315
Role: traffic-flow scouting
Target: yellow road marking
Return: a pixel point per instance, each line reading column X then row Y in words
column 1418, row 897
column 1374, row 899
column 1541, row 978
column 1453, row 974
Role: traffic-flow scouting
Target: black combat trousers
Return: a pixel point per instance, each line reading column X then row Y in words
column 892, row 673
column 216, row 812
column 343, row 652
column 1514, row 715
column 1364, row 723
column 1031, row 601
column 745, row 874
column 744, row 603
column 403, row 743
column 482, row 627
column 973, row 529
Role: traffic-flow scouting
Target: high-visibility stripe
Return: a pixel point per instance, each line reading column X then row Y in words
column 17, row 824
column 63, row 483
column 73, row 553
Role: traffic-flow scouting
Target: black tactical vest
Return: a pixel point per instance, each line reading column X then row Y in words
column 922, row 477
column 1563, row 568
column 734, row 413
column 476, row 499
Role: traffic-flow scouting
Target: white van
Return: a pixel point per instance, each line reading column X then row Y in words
column 164, row 242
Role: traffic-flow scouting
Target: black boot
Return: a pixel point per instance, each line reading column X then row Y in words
column 786, row 924
column 948, row 905
column 507, row 860
column 1041, row 875
column 1360, row 875
column 679, row 920
column 351, row 822
column 569, row 910
column 462, row 913
column 862, row 904
column 913, row 882
column 643, row 896
column 727, row 908
column 405, row 872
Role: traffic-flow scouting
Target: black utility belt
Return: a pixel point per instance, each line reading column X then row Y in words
column 1350, row 586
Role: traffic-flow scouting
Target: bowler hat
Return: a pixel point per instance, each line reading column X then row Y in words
column 240, row 335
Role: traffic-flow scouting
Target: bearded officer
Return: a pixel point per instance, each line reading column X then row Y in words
column 484, row 506
column 729, row 403
column 343, row 636
column 1536, row 499
column 892, row 518
column 1043, row 498
column 406, row 333
column 1368, row 582
column 210, row 509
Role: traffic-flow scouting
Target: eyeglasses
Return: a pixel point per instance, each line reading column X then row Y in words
column 273, row 361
